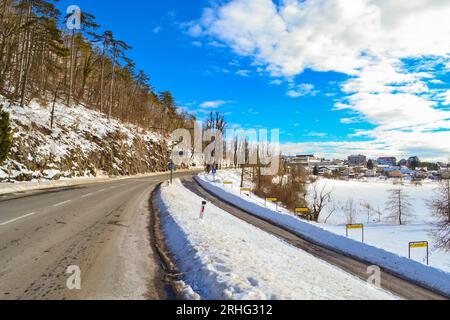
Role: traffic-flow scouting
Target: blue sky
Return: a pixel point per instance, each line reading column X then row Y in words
column 346, row 81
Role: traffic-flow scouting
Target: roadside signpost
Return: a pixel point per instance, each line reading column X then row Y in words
column 214, row 171
column 420, row 244
column 202, row 210
column 355, row 227
column 227, row 183
column 248, row 190
column 171, row 166
column 274, row 200
column 302, row 211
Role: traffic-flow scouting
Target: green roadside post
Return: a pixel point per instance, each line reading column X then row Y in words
column 171, row 165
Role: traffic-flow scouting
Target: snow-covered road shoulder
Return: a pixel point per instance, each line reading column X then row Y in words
column 223, row 257
column 432, row 278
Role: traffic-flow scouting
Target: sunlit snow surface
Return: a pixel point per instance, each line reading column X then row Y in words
column 223, row 257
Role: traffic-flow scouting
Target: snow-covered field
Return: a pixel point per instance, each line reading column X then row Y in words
column 380, row 230
column 374, row 193
column 388, row 243
column 223, row 257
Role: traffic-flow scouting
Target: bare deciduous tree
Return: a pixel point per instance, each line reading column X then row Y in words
column 350, row 210
column 319, row 198
column 331, row 210
column 440, row 206
column 369, row 210
column 399, row 206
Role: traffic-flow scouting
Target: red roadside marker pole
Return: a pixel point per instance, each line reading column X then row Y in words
column 202, row 210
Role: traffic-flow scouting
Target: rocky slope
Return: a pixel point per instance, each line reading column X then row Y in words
column 83, row 143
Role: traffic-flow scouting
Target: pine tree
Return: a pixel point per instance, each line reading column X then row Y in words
column 118, row 48
column 40, row 60
column 76, row 38
column 5, row 135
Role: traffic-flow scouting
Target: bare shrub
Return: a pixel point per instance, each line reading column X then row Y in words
column 318, row 199
column 289, row 187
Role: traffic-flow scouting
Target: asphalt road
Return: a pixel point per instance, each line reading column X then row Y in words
column 101, row 229
column 389, row 282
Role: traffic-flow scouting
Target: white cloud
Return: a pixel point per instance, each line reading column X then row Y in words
column 156, row 29
column 349, row 120
column 328, row 35
column 216, row 69
column 243, row 73
column 303, row 89
column 430, row 146
column 216, row 44
column 214, row 104
column 276, row 82
column 367, row 40
column 195, row 30
column 445, row 97
column 317, row 134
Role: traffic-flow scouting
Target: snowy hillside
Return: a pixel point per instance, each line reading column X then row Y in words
column 83, row 143
column 223, row 257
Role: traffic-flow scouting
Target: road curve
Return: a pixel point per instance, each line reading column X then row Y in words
column 100, row 228
column 389, row 282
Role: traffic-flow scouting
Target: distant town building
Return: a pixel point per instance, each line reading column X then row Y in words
column 357, row 160
column 394, row 173
column 389, row 161
column 370, row 173
column 444, row 174
column 305, row 160
column 413, row 162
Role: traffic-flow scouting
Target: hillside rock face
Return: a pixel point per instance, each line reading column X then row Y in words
column 82, row 143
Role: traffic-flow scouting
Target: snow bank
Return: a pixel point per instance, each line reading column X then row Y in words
column 6, row 188
column 381, row 232
column 430, row 277
column 223, row 257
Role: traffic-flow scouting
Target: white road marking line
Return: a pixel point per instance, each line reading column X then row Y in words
column 16, row 219
column 87, row 195
column 61, row 203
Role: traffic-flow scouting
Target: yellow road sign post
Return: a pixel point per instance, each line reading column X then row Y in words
column 227, row 183
column 303, row 211
column 355, row 227
column 246, row 190
column 419, row 244
column 274, row 200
